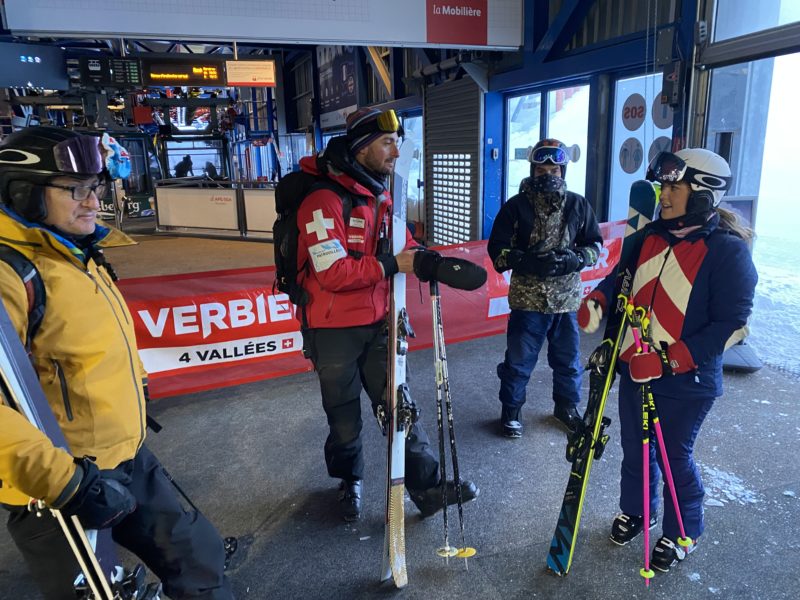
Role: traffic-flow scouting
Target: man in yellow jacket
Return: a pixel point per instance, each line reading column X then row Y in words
column 86, row 357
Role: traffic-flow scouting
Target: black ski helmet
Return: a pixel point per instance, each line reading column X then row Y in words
column 34, row 156
column 552, row 151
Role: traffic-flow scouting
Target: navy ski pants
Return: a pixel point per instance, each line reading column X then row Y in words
column 681, row 419
column 177, row 544
column 347, row 360
column 525, row 337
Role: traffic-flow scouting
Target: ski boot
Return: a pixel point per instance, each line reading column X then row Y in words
column 429, row 501
column 626, row 527
column 510, row 423
column 568, row 417
column 350, row 499
column 667, row 554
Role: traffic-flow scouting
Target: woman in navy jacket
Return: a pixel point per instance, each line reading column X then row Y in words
column 695, row 275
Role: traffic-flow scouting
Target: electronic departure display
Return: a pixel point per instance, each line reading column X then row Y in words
column 197, row 71
column 109, row 71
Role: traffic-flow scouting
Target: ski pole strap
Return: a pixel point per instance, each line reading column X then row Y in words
column 639, row 319
column 666, row 367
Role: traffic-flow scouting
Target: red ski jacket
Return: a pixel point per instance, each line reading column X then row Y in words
column 336, row 261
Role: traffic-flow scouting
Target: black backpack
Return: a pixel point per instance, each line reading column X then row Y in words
column 34, row 288
column 289, row 194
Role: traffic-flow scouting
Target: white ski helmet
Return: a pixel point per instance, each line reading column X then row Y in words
column 706, row 172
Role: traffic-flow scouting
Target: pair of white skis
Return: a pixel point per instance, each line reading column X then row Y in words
column 400, row 407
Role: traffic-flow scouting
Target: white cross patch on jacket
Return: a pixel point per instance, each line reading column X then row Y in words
column 319, row 225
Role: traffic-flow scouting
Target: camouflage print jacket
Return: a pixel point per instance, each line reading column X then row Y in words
column 525, row 221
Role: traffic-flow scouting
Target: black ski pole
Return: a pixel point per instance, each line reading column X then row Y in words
column 445, row 551
column 442, row 375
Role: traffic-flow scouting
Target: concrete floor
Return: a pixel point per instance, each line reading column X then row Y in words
column 171, row 254
column 251, row 458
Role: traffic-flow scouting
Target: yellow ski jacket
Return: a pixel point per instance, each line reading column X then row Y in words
column 86, row 357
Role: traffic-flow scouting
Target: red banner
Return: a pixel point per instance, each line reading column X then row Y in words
column 457, row 22
column 207, row 330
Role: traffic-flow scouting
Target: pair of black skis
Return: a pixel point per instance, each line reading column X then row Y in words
column 588, row 441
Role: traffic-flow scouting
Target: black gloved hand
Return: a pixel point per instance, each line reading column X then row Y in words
column 458, row 273
column 426, row 262
column 567, row 261
column 542, row 264
column 101, row 500
column 515, row 259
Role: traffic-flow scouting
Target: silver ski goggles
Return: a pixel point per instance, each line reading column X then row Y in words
column 552, row 154
column 667, row 167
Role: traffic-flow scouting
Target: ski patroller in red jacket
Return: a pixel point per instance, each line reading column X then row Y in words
column 336, row 261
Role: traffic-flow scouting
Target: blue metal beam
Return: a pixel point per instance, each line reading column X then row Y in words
column 685, row 47
column 534, row 23
column 397, row 69
column 568, row 20
column 627, row 53
column 493, row 153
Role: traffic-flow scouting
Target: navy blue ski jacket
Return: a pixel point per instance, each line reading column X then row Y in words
column 700, row 291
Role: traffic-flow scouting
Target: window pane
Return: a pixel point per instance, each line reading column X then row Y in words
column 416, row 192
column 739, row 17
column 752, row 119
column 522, row 124
column 642, row 128
column 568, row 121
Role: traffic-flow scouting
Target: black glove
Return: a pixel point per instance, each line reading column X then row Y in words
column 515, row 259
column 101, row 500
column 542, row 264
column 458, row 273
column 567, row 261
column 426, row 262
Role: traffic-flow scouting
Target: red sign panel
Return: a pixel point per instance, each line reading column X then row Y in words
column 457, row 22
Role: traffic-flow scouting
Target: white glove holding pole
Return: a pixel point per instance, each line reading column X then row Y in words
column 591, row 312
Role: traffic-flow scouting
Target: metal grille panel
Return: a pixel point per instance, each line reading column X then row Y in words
column 453, row 164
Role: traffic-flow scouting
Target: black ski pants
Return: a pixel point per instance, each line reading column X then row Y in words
column 348, row 359
column 177, row 544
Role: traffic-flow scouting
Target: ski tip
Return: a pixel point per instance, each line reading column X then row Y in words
column 466, row 552
column 446, row 551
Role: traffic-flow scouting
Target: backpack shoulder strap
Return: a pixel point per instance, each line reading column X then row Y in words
column 34, row 288
column 339, row 190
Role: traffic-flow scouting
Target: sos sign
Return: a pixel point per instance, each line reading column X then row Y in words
column 633, row 112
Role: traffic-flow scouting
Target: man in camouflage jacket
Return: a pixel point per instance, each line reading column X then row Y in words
column 546, row 235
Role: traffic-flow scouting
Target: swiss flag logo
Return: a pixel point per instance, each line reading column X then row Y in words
column 459, row 22
column 287, row 343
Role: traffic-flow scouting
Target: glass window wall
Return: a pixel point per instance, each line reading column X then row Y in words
column 642, row 128
column 752, row 122
column 740, row 17
column 523, row 127
column 568, row 121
